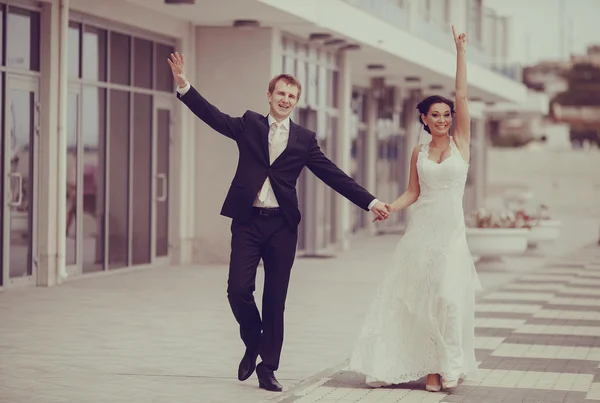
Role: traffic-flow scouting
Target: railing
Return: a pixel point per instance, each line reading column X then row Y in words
column 387, row 10
column 438, row 35
column 510, row 70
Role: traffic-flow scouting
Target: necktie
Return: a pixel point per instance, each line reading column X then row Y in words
column 262, row 196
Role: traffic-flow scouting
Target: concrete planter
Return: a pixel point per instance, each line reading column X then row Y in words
column 545, row 232
column 496, row 242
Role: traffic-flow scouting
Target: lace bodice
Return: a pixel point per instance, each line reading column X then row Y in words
column 451, row 173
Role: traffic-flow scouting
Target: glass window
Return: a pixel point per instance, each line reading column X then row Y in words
column 337, row 60
column 312, row 84
column 301, row 76
column 163, row 131
column 474, row 13
column 284, row 44
column 23, row 38
column 289, row 65
column 118, row 180
column 120, row 58
column 74, row 53
column 142, row 63
column 302, row 51
column 333, row 89
column 323, row 86
column 20, row 144
column 94, row 54
column 142, row 179
column 72, row 157
column 2, row 151
column 93, row 137
column 164, row 78
column 1, row 51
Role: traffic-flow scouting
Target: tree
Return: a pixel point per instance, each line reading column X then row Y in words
column 583, row 86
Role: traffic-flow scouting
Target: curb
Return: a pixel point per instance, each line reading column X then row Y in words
column 315, row 380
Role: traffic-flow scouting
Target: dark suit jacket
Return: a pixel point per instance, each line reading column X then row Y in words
column 250, row 132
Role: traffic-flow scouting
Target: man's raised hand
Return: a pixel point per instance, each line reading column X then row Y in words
column 177, row 62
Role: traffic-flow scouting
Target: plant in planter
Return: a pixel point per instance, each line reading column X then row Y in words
column 544, row 229
column 483, row 218
column 525, row 219
column 495, row 235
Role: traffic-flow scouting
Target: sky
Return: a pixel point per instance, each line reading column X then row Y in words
column 536, row 33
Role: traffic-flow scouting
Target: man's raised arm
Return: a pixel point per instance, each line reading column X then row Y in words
column 221, row 122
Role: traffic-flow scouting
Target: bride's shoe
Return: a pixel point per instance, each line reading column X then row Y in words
column 432, row 388
column 449, row 385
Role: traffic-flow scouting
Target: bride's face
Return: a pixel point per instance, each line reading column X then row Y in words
column 438, row 119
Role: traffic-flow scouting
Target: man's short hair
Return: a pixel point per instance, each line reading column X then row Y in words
column 288, row 79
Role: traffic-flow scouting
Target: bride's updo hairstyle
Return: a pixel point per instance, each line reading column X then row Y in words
column 425, row 105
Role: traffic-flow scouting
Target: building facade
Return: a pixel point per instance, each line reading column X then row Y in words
column 104, row 170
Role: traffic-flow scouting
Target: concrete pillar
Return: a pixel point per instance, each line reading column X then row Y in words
column 343, row 147
column 184, row 176
column 479, row 149
column 51, row 150
column 412, row 130
column 220, row 54
column 371, row 147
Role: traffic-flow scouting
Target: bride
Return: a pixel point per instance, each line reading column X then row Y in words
column 421, row 321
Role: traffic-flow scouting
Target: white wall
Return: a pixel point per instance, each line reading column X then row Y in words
column 132, row 15
column 563, row 179
column 233, row 69
column 343, row 18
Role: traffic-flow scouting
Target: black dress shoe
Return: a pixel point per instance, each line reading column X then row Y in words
column 267, row 380
column 247, row 365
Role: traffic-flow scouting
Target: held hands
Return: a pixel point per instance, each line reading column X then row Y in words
column 460, row 41
column 381, row 211
column 176, row 62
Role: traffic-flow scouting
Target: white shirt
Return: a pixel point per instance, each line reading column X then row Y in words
column 279, row 134
column 278, row 140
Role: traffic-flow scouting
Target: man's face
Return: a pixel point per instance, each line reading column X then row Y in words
column 282, row 100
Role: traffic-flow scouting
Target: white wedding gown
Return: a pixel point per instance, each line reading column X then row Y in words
column 421, row 320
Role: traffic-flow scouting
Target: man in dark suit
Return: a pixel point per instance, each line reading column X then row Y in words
column 263, row 204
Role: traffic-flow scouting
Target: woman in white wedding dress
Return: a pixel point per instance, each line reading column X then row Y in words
column 421, row 321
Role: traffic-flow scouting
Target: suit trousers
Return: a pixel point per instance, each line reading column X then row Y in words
column 270, row 237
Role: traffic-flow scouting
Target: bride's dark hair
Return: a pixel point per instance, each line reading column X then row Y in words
column 425, row 105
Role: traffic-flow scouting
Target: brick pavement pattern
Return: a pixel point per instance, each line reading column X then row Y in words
column 537, row 340
column 166, row 334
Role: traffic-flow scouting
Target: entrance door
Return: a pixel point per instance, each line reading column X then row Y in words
column 19, row 176
column 163, row 118
column 135, row 187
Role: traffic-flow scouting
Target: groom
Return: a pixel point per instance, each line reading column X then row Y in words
column 263, row 204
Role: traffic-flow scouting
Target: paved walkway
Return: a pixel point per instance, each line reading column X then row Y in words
column 537, row 340
column 167, row 335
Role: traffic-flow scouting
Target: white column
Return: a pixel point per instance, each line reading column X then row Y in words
column 371, row 147
column 63, row 88
column 49, row 258
column 480, row 161
column 343, row 157
column 411, row 114
column 184, row 175
column 221, row 54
